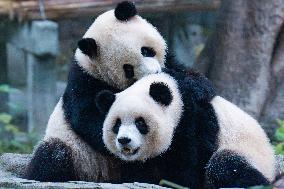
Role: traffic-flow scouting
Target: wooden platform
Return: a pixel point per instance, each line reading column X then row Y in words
column 61, row 9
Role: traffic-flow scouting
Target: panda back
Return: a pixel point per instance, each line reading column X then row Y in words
column 242, row 134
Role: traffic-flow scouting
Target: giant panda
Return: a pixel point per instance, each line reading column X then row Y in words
column 173, row 126
column 119, row 48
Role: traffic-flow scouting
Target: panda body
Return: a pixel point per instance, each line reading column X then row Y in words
column 206, row 140
column 119, row 48
column 241, row 133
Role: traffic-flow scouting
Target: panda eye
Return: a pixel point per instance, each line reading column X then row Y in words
column 148, row 52
column 115, row 128
column 141, row 125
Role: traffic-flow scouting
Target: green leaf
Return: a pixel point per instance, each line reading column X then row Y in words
column 279, row 148
column 279, row 134
column 280, row 122
column 170, row 184
column 7, row 89
column 5, row 118
column 12, row 128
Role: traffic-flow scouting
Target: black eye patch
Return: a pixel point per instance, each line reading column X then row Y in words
column 141, row 125
column 148, row 52
column 116, row 126
column 128, row 71
column 89, row 47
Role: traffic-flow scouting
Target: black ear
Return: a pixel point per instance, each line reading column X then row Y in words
column 88, row 46
column 161, row 93
column 125, row 10
column 104, row 100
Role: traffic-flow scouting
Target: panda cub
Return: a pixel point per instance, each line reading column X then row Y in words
column 119, row 48
column 173, row 126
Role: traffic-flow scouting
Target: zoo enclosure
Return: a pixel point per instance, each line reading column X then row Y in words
column 33, row 46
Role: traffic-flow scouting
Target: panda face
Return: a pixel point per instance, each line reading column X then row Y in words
column 121, row 51
column 141, row 121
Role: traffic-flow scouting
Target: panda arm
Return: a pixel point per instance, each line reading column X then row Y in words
column 51, row 162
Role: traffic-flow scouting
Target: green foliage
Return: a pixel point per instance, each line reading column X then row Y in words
column 279, row 138
column 167, row 183
column 12, row 139
column 5, row 118
column 7, row 88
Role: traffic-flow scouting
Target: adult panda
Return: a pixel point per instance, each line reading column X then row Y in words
column 173, row 126
column 119, row 48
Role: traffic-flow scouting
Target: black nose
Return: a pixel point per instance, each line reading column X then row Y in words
column 124, row 140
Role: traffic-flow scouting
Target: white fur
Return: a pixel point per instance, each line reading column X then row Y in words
column 241, row 133
column 131, row 132
column 90, row 164
column 136, row 102
column 120, row 43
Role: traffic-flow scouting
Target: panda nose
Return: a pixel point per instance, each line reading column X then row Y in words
column 124, row 140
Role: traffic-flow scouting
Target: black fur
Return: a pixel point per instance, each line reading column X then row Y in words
column 161, row 93
column 104, row 100
column 80, row 108
column 88, row 46
column 128, row 71
column 227, row 169
column 141, row 125
column 193, row 144
column 52, row 161
column 125, row 10
column 148, row 52
column 172, row 63
column 116, row 126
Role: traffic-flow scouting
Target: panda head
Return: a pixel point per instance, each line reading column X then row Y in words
column 141, row 120
column 120, row 47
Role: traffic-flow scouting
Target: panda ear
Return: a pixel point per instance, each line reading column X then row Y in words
column 161, row 93
column 125, row 10
column 88, row 46
column 104, row 100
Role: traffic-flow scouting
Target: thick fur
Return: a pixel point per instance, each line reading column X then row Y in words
column 120, row 43
column 80, row 109
column 186, row 153
column 229, row 169
column 125, row 10
column 89, row 164
column 243, row 135
column 53, row 160
column 214, row 144
column 76, row 123
column 161, row 115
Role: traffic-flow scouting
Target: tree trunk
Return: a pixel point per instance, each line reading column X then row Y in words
column 245, row 57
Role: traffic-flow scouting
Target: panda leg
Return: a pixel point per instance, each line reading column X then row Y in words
column 228, row 169
column 52, row 161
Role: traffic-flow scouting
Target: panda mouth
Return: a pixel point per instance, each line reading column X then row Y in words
column 129, row 152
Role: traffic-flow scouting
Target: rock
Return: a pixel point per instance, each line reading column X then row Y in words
column 14, row 163
column 12, row 167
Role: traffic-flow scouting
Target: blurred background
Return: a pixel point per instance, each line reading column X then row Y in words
column 238, row 45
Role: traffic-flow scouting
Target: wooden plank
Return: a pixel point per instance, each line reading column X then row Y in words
column 54, row 9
